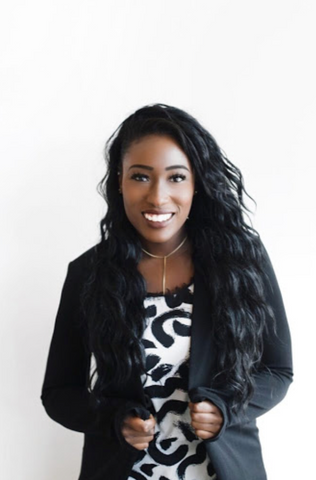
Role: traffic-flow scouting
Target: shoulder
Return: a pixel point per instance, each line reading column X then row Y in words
column 85, row 263
column 86, row 257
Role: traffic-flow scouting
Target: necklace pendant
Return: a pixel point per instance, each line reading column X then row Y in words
column 165, row 262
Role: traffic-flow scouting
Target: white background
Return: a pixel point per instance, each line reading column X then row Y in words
column 71, row 71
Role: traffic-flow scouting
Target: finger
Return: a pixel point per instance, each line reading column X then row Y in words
column 206, row 418
column 150, row 423
column 128, row 431
column 204, row 407
column 139, row 425
column 141, row 446
column 134, row 438
column 139, row 443
column 204, row 435
column 209, row 427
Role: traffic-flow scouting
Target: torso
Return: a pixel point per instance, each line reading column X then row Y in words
column 175, row 452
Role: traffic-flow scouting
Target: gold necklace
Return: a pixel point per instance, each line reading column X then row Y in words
column 165, row 262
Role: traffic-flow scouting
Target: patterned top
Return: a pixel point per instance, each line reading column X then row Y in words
column 175, row 452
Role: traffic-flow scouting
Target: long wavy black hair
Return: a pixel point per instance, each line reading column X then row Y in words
column 226, row 250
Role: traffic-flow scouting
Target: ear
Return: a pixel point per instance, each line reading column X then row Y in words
column 119, row 177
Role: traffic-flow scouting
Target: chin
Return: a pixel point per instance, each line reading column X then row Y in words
column 161, row 237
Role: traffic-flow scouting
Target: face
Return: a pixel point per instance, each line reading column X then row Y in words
column 157, row 184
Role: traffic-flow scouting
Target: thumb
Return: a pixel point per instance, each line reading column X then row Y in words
column 149, row 423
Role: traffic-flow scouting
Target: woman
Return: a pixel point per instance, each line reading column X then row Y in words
column 171, row 336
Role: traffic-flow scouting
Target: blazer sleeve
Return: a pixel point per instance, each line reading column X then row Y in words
column 65, row 395
column 275, row 375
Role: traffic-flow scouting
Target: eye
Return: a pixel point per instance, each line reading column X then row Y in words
column 177, row 177
column 139, row 177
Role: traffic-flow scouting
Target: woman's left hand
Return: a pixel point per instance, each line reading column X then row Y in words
column 207, row 419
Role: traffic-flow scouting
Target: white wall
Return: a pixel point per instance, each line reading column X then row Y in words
column 71, row 71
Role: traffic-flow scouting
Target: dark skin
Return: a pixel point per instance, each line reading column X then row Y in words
column 157, row 178
column 206, row 419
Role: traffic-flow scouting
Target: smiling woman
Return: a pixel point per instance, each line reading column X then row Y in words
column 179, row 308
column 157, row 184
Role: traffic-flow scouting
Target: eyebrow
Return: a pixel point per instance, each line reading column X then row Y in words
column 146, row 167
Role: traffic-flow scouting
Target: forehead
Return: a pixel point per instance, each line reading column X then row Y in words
column 155, row 150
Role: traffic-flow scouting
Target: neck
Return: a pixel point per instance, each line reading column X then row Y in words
column 165, row 257
column 166, row 248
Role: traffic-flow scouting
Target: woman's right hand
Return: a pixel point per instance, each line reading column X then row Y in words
column 138, row 432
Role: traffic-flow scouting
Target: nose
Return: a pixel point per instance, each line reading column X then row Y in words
column 158, row 194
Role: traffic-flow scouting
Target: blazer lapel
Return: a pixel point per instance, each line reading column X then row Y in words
column 202, row 353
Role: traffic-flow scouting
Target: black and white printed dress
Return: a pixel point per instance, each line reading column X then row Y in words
column 175, row 452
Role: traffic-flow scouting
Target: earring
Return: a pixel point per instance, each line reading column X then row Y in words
column 195, row 192
column 120, row 191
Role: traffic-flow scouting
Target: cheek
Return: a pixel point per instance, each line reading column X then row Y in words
column 128, row 206
column 131, row 206
column 130, row 197
column 186, row 199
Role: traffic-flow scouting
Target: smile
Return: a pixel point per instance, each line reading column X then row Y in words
column 153, row 217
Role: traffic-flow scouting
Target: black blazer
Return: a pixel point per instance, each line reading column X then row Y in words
column 235, row 452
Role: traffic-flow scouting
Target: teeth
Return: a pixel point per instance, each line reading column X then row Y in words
column 158, row 218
